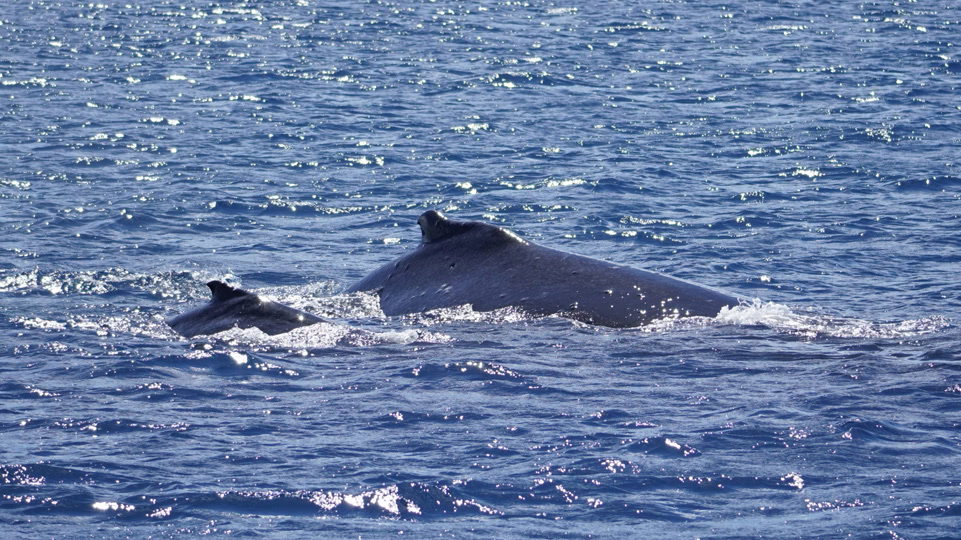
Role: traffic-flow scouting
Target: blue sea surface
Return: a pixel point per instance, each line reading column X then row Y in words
column 801, row 155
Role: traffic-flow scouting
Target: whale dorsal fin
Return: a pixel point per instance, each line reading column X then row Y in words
column 433, row 226
column 221, row 291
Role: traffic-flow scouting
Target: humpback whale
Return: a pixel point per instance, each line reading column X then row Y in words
column 476, row 263
column 229, row 307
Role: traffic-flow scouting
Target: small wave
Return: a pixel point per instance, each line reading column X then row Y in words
column 122, row 425
column 39, row 474
column 933, row 183
column 475, row 370
column 663, row 446
column 522, row 79
column 815, row 325
column 401, row 418
column 134, row 323
column 100, row 282
column 407, row 501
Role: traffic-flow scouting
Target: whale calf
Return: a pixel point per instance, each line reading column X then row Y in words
column 476, row 263
column 230, row 307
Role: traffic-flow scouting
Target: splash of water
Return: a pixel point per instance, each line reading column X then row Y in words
column 813, row 324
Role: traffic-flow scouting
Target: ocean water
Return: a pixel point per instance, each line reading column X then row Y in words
column 803, row 155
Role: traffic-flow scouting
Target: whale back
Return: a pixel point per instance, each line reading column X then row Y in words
column 490, row 268
column 230, row 307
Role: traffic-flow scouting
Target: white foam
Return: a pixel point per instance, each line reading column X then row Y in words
column 813, row 324
column 326, row 335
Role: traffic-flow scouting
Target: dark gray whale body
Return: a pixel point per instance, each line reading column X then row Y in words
column 230, row 307
column 476, row 263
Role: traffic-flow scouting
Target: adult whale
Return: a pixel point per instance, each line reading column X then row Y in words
column 230, row 307
column 476, row 263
